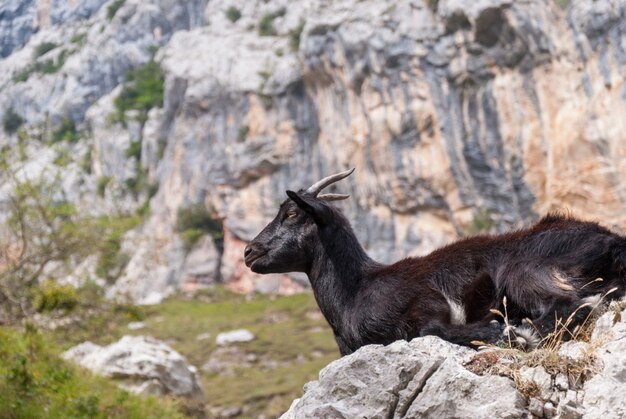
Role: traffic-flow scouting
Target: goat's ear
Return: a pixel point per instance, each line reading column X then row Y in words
column 314, row 207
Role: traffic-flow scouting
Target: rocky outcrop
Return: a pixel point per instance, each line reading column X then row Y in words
column 431, row 378
column 459, row 115
column 142, row 365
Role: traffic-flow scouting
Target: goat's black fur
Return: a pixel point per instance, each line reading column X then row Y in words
column 544, row 271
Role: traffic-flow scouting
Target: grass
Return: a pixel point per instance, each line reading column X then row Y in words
column 242, row 133
column 35, row 383
column 295, row 35
column 266, row 23
column 293, row 342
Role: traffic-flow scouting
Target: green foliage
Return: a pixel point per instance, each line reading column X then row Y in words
column 43, row 48
column 294, row 36
column 142, row 91
column 111, row 260
column 79, row 38
column 195, row 221
column 266, row 25
column 49, row 66
column 134, row 150
column 101, row 187
column 85, row 163
column 63, row 157
column 242, row 134
column 114, row 7
column 433, row 4
column 35, row 383
column 50, row 295
column 563, row 4
column 482, row 223
column 65, row 132
column 11, row 121
column 233, row 14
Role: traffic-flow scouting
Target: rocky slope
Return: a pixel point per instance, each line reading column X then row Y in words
column 431, row 378
column 459, row 115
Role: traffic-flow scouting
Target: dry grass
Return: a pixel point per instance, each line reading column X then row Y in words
column 508, row 359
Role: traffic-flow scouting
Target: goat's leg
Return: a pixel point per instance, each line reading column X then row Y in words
column 562, row 317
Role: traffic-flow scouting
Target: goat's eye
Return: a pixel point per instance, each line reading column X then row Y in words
column 292, row 214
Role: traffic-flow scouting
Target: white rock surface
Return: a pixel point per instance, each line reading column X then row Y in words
column 234, row 336
column 142, row 364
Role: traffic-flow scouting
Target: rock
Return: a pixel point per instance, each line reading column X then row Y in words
column 203, row 336
column 406, row 379
column 226, row 360
column 575, row 350
column 561, row 382
column 136, row 325
column 604, row 391
column 234, row 336
column 539, row 376
column 535, row 406
column 141, row 364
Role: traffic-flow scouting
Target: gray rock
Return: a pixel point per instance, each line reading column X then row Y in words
column 535, row 406
column 539, row 376
column 141, row 364
column 234, row 336
column 406, row 379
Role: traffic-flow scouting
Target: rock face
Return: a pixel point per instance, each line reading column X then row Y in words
column 428, row 378
column 141, row 364
column 459, row 115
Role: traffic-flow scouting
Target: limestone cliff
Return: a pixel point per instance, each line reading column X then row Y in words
column 459, row 115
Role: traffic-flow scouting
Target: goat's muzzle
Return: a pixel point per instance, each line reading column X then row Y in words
column 251, row 253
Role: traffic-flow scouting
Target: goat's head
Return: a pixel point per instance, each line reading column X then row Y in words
column 287, row 243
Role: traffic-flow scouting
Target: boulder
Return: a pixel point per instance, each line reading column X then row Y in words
column 142, row 364
column 421, row 378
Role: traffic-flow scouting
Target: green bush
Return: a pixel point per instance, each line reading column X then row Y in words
column 51, row 295
column 78, row 38
column 233, row 14
column 563, row 4
column 101, row 187
column 195, row 221
column 266, row 25
column 11, row 121
column 134, row 150
column 242, row 134
column 65, row 132
column 44, row 48
column 295, row 35
column 114, row 7
column 142, row 91
column 111, row 260
column 36, row 383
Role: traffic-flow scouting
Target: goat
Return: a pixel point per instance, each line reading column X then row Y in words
column 546, row 272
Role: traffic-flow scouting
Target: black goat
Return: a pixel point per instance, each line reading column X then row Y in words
column 546, row 272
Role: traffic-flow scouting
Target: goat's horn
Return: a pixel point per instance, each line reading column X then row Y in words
column 317, row 187
column 333, row 197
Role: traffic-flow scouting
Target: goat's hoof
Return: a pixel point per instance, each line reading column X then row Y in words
column 522, row 337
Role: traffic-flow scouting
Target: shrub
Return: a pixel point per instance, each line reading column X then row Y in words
column 142, row 91
column 78, row 38
column 242, row 134
column 266, row 25
column 101, row 187
column 65, row 132
column 111, row 260
column 233, row 14
column 11, row 121
column 563, row 4
column 134, row 150
column 36, row 383
column 114, row 7
column 51, row 295
column 195, row 221
column 294, row 36
column 51, row 66
column 44, row 48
